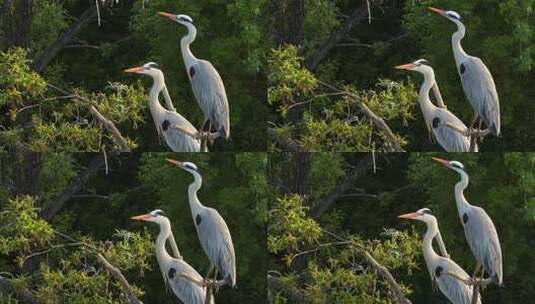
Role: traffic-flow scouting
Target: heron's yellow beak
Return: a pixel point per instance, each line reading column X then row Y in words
column 441, row 161
column 134, row 70
column 168, row 15
column 438, row 11
column 408, row 66
column 409, row 216
column 174, row 162
column 143, row 217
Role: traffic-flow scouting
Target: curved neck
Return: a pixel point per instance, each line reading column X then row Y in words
column 425, row 103
column 429, row 253
column 456, row 38
column 161, row 252
column 187, row 55
column 194, row 203
column 462, row 203
column 155, row 107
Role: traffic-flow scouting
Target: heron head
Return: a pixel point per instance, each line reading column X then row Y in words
column 453, row 164
column 420, row 65
column 450, row 15
column 156, row 216
column 150, row 68
column 424, row 215
column 188, row 166
column 182, row 19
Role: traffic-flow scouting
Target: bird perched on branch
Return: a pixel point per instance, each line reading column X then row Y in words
column 212, row 230
column 476, row 79
column 451, row 279
column 176, row 130
column 206, row 82
column 479, row 229
column 185, row 282
column 449, row 131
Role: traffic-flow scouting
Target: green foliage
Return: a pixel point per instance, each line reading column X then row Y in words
column 22, row 230
column 503, row 185
column 48, row 22
column 17, row 82
column 501, row 34
column 324, row 261
column 323, row 120
column 289, row 227
column 231, row 35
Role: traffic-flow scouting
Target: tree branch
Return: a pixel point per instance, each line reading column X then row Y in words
column 351, row 176
column 52, row 51
column 118, row 275
column 387, row 276
column 361, row 12
column 76, row 185
column 376, row 119
column 108, row 124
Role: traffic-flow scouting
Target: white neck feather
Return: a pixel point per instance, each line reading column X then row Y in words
column 194, row 203
column 187, row 55
column 462, row 203
column 156, row 109
column 426, row 105
column 430, row 255
column 456, row 38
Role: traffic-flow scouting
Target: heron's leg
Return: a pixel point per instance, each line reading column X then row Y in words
column 203, row 124
column 474, row 119
column 210, row 270
column 478, row 266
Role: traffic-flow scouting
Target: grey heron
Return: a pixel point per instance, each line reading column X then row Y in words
column 476, row 79
column 445, row 125
column 479, row 229
column 212, row 230
column 174, row 128
column 450, row 277
column 206, row 82
column 185, row 282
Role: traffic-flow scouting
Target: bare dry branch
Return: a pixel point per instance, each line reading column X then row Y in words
column 118, row 275
column 106, row 123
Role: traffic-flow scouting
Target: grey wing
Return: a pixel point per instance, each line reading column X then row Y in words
column 449, row 139
column 210, row 93
column 454, row 289
column 483, row 240
column 184, row 288
column 175, row 138
column 217, row 243
column 480, row 89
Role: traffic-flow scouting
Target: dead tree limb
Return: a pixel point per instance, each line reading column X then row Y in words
column 106, row 123
column 118, row 275
column 361, row 12
column 351, row 176
column 52, row 51
column 387, row 276
column 76, row 185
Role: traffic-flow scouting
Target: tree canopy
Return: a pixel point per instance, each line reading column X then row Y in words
column 332, row 209
column 334, row 88
column 50, row 257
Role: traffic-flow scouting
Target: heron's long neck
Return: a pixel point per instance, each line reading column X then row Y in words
column 430, row 255
column 462, row 203
column 425, row 103
column 194, row 203
column 456, row 38
column 156, row 109
column 161, row 252
column 187, row 55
